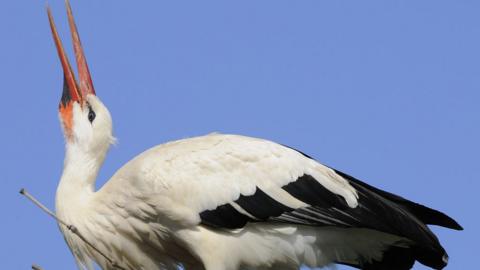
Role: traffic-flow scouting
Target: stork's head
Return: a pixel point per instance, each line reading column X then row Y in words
column 85, row 120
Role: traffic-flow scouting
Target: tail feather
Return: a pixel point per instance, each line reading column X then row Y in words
column 428, row 252
column 394, row 258
column 366, row 249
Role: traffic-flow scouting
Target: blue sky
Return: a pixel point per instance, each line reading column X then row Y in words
column 387, row 91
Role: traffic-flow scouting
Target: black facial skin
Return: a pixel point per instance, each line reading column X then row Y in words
column 66, row 97
column 91, row 114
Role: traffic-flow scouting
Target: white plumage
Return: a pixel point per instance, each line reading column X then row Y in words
column 148, row 213
column 157, row 197
column 224, row 202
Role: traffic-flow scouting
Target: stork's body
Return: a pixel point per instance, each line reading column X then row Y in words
column 151, row 209
column 225, row 202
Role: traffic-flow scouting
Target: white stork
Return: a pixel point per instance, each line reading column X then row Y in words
column 224, row 202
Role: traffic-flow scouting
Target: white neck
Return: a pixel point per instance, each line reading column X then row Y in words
column 80, row 171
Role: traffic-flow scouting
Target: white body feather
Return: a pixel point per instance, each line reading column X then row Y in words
column 147, row 215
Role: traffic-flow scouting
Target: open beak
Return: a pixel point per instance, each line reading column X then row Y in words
column 72, row 91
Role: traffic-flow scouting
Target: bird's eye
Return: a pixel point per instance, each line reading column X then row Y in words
column 91, row 115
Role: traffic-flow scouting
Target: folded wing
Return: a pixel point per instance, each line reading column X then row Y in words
column 226, row 181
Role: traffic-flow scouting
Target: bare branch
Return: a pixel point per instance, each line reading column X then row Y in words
column 70, row 227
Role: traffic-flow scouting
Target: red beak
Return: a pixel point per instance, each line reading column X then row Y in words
column 71, row 90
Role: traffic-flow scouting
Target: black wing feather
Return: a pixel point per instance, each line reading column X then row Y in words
column 425, row 214
column 262, row 206
column 377, row 210
column 310, row 191
column 224, row 216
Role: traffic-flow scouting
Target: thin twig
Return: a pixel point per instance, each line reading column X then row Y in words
column 70, row 227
